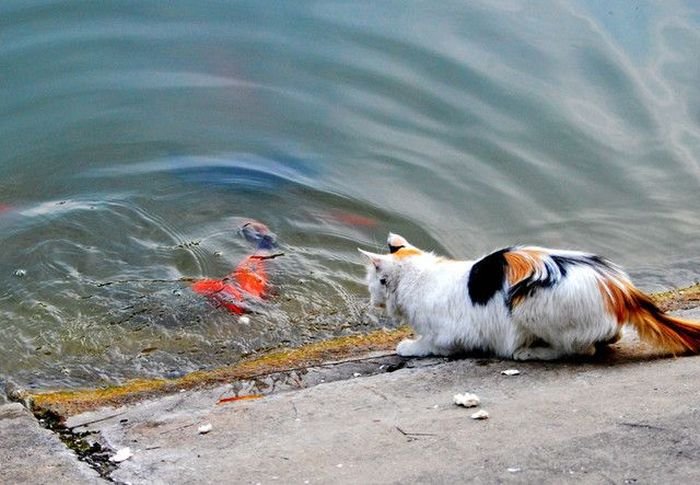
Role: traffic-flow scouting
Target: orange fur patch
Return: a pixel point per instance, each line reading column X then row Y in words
column 516, row 300
column 407, row 252
column 618, row 299
column 629, row 305
column 522, row 263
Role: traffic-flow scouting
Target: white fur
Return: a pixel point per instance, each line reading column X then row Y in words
column 430, row 294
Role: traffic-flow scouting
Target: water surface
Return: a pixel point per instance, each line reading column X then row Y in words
column 135, row 137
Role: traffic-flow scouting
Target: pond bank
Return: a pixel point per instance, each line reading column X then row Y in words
column 626, row 415
column 267, row 370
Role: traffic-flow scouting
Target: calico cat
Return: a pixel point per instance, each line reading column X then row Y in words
column 521, row 302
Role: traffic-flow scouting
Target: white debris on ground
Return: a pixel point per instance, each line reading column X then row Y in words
column 205, row 428
column 244, row 320
column 510, row 372
column 121, row 455
column 480, row 414
column 467, row 400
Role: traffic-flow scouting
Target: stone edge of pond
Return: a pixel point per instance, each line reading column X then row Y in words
column 276, row 364
column 269, row 366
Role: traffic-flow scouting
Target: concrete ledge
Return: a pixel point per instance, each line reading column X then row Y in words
column 32, row 454
column 630, row 421
column 269, row 367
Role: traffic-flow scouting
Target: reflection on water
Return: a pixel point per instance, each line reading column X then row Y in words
column 136, row 137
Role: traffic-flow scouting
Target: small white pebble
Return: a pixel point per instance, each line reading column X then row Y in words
column 467, row 400
column 122, row 455
column 19, row 273
column 244, row 320
column 510, row 372
column 436, row 406
column 339, row 465
column 513, row 470
column 205, row 428
column 480, row 414
column 356, row 374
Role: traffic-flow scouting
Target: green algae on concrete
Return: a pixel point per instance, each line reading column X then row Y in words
column 678, row 299
column 67, row 403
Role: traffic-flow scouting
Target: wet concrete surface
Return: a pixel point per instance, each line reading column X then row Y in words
column 31, row 454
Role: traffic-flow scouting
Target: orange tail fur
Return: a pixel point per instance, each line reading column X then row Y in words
column 676, row 335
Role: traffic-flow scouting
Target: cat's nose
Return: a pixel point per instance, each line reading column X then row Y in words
column 376, row 302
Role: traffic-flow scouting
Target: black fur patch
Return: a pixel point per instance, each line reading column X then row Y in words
column 487, row 276
column 554, row 271
column 596, row 262
column 393, row 249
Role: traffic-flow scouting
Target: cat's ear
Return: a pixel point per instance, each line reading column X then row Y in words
column 376, row 259
column 397, row 242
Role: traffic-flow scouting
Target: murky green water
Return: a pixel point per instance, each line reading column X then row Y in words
column 136, row 136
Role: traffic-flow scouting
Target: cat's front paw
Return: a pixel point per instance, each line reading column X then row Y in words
column 537, row 353
column 524, row 354
column 411, row 348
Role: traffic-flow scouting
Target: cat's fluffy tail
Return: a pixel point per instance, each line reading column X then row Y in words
column 630, row 305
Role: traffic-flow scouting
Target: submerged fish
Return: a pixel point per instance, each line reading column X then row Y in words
column 249, row 279
column 259, row 234
column 351, row 218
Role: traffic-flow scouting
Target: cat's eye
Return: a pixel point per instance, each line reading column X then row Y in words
column 382, row 281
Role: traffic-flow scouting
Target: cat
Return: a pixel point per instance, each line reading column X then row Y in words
column 521, row 302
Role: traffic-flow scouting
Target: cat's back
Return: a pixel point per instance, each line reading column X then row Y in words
column 440, row 275
column 523, row 271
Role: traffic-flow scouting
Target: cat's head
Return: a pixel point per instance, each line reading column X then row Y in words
column 383, row 270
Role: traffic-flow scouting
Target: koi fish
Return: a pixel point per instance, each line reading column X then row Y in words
column 352, row 219
column 259, row 234
column 249, row 279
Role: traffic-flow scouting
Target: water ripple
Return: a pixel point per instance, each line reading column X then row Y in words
column 136, row 137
